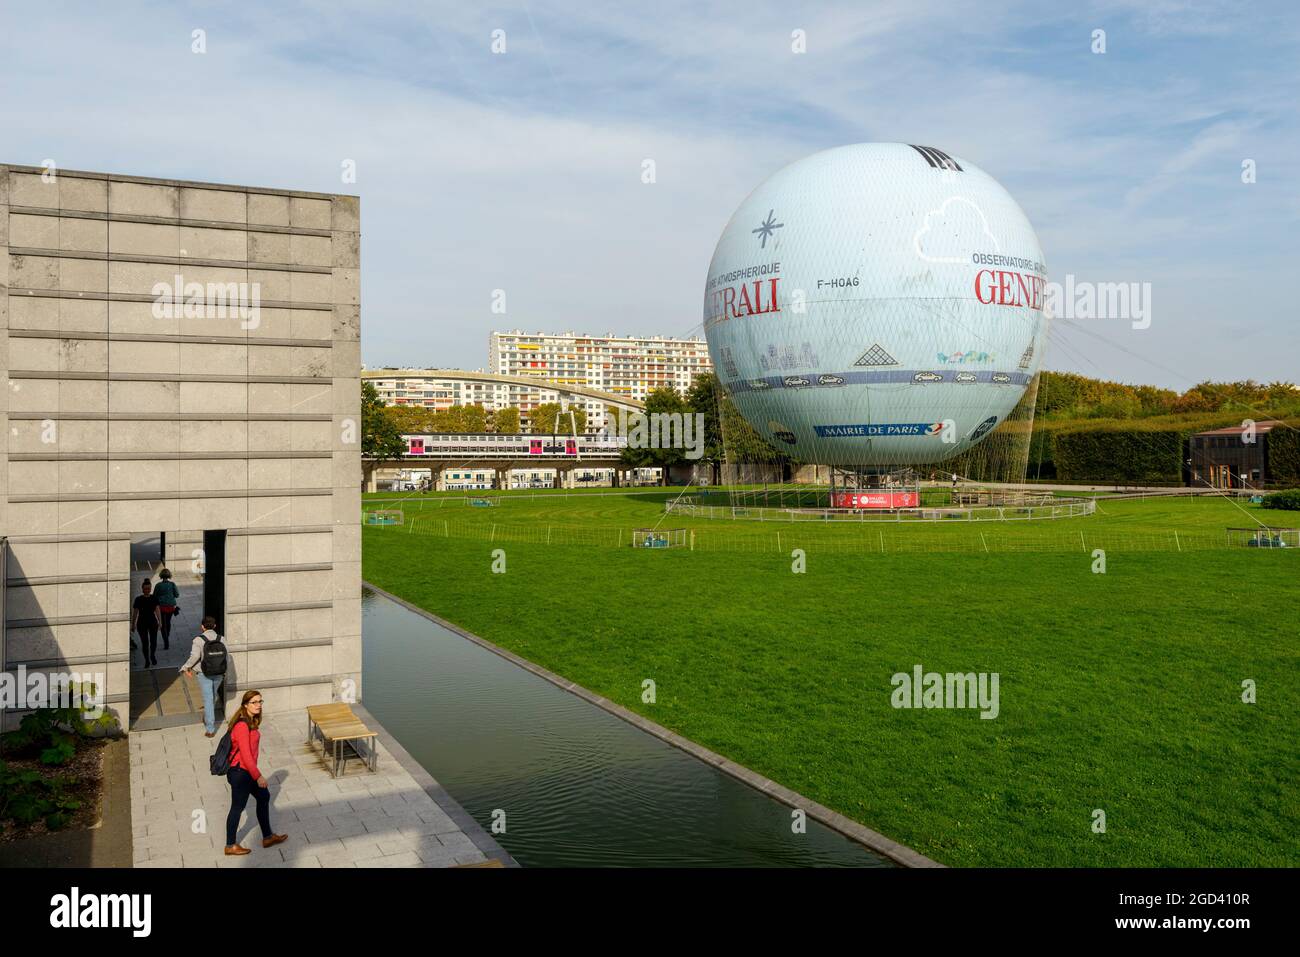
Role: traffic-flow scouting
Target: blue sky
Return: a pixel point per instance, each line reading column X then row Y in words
column 522, row 171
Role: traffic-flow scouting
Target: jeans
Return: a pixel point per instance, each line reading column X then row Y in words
column 208, row 685
column 241, row 786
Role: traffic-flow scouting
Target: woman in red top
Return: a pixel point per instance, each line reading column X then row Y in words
column 244, row 777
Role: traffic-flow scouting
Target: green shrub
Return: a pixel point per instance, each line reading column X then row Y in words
column 54, row 731
column 26, row 797
column 1289, row 500
column 1284, row 455
column 1111, row 453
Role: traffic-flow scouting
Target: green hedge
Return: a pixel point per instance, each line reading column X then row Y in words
column 1117, row 454
column 1284, row 456
column 1289, row 500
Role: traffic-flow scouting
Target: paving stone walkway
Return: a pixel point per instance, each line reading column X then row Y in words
column 360, row 819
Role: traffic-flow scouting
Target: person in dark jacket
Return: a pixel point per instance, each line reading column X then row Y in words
column 245, row 778
column 169, row 597
column 144, row 622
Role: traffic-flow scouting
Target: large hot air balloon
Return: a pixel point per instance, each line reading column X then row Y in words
column 876, row 306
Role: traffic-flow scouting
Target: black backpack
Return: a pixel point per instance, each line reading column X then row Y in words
column 219, row 760
column 213, row 662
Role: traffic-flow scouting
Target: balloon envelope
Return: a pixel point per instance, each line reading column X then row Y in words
column 876, row 305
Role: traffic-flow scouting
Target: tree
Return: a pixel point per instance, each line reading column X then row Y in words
column 379, row 436
column 410, row 418
column 465, row 419
column 637, row 453
column 506, row 421
column 548, row 415
column 703, row 398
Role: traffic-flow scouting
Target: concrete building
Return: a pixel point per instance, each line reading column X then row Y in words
column 181, row 360
column 627, row 366
column 443, row 388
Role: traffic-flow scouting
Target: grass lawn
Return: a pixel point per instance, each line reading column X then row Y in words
column 1118, row 691
column 608, row 516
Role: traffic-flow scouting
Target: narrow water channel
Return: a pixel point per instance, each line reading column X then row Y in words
column 579, row 787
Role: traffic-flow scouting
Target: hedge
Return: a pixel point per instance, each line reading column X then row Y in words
column 1284, row 456
column 1114, row 454
column 1289, row 500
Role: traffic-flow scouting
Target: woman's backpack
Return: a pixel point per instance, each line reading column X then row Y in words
column 219, row 760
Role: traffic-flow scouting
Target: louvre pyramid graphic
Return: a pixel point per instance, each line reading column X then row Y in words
column 876, row 356
column 1027, row 356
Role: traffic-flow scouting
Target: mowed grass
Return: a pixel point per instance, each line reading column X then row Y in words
column 1161, row 524
column 1119, row 692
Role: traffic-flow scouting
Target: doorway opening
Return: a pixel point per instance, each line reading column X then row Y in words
column 165, row 620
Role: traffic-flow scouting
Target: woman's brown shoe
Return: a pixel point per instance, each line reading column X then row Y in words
column 236, row 850
column 275, row 839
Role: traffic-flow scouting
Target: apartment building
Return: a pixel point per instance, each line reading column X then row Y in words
column 444, row 388
column 627, row 366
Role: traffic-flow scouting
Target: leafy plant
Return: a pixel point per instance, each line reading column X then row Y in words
column 1289, row 500
column 26, row 797
column 55, row 730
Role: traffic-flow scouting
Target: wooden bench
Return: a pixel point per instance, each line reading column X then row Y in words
column 340, row 732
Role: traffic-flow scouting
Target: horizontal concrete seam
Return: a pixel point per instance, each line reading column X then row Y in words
column 169, row 495
column 69, row 537
column 107, row 699
column 873, row 840
column 100, row 295
column 206, row 378
column 31, row 663
column 278, row 606
column 33, row 333
column 187, row 183
column 159, row 456
column 114, row 257
column 287, row 682
column 177, row 416
column 276, row 569
column 284, row 530
column 246, row 646
column 67, row 620
column 18, row 581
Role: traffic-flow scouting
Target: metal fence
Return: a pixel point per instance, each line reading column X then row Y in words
column 880, row 539
column 1059, row 508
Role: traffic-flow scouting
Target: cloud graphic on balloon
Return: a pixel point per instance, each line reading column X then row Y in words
column 948, row 234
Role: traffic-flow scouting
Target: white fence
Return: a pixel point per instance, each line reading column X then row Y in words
column 1059, row 508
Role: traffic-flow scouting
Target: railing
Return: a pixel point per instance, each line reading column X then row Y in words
column 884, row 538
column 1056, row 508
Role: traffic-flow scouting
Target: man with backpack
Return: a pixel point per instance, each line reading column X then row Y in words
column 208, row 651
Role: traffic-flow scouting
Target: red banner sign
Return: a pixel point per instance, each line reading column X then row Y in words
column 876, row 500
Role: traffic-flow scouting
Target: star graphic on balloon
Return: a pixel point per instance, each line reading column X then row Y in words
column 767, row 227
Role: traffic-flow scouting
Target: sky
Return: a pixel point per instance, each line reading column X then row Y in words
column 522, row 170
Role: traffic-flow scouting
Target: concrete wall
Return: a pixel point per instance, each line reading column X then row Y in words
column 117, row 422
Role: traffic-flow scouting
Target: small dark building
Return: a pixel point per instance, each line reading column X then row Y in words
column 1234, row 457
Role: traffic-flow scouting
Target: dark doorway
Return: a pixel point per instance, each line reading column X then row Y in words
column 214, row 577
